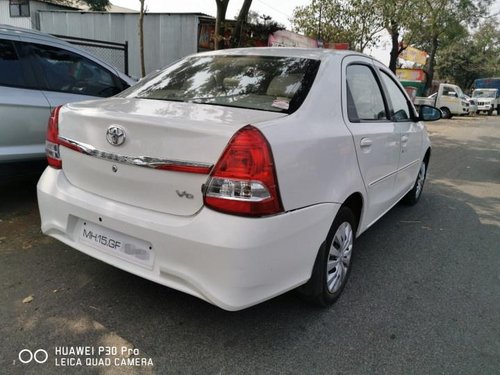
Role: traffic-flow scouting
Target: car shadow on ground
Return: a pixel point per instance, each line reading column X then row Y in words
column 415, row 286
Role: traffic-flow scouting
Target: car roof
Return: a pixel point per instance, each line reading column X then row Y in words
column 311, row 53
column 38, row 36
column 35, row 34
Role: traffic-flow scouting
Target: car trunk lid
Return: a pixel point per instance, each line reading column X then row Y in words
column 167, row 149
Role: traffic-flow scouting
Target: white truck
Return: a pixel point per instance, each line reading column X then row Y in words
column 449, row 98
column 487, row 100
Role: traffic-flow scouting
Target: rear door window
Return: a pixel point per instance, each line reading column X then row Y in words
column 68, row 72
column 11, row 69
column 400, row 108
column 364, row 96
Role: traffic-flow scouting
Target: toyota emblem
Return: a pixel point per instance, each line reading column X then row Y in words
column 115, row 135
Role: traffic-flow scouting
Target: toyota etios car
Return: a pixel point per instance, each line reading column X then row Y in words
column 236, row 175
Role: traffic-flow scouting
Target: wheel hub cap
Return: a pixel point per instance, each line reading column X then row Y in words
column 339, row 257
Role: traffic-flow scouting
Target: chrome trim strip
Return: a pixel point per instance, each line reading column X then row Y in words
column 392, row 173
column 408, row 165
column 140, row 161
column 382, row 178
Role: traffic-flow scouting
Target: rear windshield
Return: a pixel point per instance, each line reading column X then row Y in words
column 278, row 84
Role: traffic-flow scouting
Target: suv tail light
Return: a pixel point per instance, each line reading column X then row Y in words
column 52, row 142
column 243, row 181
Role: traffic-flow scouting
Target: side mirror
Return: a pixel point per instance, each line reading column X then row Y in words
column 429, row 113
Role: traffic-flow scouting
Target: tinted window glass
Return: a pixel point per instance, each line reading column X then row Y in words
column 364, row 96
column 11, row 72
column 66, row 71
column 268, row 83
column 398, row 100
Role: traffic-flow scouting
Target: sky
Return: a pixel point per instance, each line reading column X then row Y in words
column 280, row 10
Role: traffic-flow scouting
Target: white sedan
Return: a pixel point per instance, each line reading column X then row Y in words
column 236, row 175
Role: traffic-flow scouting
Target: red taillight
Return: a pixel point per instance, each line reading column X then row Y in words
column 243, row 181
column 52, row 142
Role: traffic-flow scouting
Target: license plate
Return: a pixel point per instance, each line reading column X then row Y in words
column 116, row 243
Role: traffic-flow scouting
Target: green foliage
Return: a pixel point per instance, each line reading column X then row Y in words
column 261, row 31
column 356, row 22
column 441, row 23
column 97, row 5
column 256, row 31
column 472, row 56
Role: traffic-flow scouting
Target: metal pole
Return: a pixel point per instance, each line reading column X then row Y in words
column 319, row 23
column 126, row 57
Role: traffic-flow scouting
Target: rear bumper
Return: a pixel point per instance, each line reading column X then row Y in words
column 230, row 261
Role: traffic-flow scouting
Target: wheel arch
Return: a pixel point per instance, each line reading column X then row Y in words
column 427, row 156
column 355, row 202
column 447, row 115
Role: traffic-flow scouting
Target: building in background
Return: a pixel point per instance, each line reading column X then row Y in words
column 167, row 36
column 25, row 13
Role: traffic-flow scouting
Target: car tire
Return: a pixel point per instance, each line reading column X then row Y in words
column 413, row 196
column 490, row 112
column 446, row 113
column 498, row 110
column 333, row 263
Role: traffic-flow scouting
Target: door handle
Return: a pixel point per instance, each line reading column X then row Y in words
column 404, row 139
column 365, row 142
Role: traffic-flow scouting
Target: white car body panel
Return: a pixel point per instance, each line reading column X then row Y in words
column 230, row 261
column 175, row 131
column 320, row 152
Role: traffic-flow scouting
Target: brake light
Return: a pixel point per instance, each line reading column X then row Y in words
column 244, row 181
column 52, row 142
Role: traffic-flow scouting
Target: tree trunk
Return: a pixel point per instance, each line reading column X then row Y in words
column 141, row 38
column 242, row 20
column 219, row 29
column 432, row 62
column 394, row 31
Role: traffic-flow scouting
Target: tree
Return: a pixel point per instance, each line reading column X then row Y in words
column 240, row 23
column 442, row 22
column 219, row 22
column 141, row 37
column 355, row 22
column 476, row 55
column 397, row 18
column 97, row 5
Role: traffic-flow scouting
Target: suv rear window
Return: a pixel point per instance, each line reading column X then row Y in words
column 11, row 72
column 268, row 83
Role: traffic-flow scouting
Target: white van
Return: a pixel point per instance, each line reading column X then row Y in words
column 450, row 99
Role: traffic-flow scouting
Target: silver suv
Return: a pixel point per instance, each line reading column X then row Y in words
column 37, row 73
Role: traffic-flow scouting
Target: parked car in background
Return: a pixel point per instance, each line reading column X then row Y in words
column 237, row 175
column 38, row 72
column 449, row 99
column 472, row 105
column 487, row 100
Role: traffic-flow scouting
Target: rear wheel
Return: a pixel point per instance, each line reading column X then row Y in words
column 446, row 112
column 333, row 262
column 413, row 196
